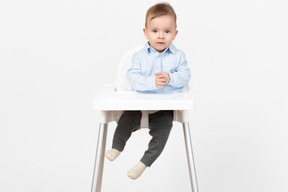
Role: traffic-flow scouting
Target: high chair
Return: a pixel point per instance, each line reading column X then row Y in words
column 111, row 100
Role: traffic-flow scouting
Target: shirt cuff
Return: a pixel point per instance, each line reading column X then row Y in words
column 171, row 79
column 152, row 81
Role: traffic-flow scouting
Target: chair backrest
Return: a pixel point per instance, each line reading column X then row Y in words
column 122, row 83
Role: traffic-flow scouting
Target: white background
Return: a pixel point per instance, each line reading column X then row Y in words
column 54, row 55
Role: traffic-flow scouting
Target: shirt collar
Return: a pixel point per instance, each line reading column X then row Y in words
column 150, row 49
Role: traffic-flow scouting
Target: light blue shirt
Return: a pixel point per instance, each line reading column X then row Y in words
column 148, row 61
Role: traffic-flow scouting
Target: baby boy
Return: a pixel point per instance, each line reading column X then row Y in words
column 157, row 68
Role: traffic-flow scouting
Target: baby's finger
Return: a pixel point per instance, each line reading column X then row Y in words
column 159, row 73
column 160, row 82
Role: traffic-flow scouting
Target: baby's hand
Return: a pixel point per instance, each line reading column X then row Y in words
column 162, row 79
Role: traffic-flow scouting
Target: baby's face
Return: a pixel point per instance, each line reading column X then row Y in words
column 160, row 32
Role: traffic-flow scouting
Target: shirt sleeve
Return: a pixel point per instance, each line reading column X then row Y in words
column 138, row 81
column 181, row 75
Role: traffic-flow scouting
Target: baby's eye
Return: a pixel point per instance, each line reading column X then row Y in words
column 154, row 31
column 167, row 31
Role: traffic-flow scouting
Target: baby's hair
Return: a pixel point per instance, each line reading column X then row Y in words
column 158, row 10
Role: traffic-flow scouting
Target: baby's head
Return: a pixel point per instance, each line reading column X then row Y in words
column 160, row 26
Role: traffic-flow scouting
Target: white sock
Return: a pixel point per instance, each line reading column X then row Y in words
column 137, row 170
column 112, row 154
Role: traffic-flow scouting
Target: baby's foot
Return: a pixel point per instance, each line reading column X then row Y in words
column 137, row 170
column 112, row 154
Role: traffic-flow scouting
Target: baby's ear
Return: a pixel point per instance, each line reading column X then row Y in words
column 176, row 32
column 145, row 31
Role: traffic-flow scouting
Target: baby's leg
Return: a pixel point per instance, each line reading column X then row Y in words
column 160, row 126
column 128, row 122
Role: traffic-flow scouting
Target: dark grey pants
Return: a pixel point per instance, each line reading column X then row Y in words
column 160, row 124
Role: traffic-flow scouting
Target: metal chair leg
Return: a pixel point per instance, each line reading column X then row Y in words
column 99, row 159
column 190, row 158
